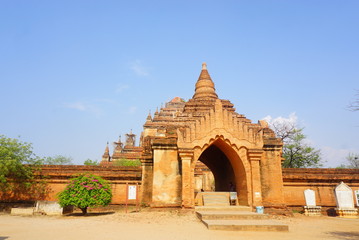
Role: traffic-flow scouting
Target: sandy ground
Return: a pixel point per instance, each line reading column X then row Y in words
column 163, row 225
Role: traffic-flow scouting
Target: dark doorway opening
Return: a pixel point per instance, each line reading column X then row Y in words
column 220, row 166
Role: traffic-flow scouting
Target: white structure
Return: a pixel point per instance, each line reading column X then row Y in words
column 345, row 201
column 311, row 209
column 48, row 208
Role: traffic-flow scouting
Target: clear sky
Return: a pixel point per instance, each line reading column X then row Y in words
column 76, row 74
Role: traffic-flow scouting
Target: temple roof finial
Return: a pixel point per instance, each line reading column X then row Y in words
column 204, row 66
column 205, row 86
column 106, row 154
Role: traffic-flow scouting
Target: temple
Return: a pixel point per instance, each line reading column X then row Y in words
column 200, row 153
column 127, row 151
column 187, row 143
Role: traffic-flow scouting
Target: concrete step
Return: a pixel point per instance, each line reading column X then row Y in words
column 229, row 215
column 246, row 225
column 223, row 208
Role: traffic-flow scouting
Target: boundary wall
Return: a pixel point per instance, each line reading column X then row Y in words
column 322, row 180
column 58, row 176
column 295, row 181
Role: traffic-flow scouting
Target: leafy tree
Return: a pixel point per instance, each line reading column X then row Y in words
column 89, row 162
column 18, row 164
column 86, row 190
column 13, row 155
column 57, row 160
column 296, row 151
column 298, row 154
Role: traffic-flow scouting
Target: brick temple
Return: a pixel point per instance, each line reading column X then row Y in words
column 185, row 138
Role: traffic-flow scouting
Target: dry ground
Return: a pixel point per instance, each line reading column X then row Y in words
column 163, row 225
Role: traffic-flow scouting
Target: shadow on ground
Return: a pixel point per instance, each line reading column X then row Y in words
column 91, row 214
column 345, row 235
column 3, row 238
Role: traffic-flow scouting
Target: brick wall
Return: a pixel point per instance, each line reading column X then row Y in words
column 58, row 176
column 295, row 181
column 321, row 180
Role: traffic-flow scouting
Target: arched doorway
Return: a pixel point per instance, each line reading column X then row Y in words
column 220, row 167
column 227, row 168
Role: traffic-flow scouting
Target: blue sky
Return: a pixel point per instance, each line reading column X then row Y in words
column 76, row 74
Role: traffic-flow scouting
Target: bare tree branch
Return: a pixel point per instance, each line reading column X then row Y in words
column 354, row 106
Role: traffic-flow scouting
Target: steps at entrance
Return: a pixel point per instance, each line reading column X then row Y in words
column 230, row 215
column 246, row 225
column 225, row 208
column 237, row 218
column 215, row 200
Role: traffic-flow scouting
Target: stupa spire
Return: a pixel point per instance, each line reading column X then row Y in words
column 106, row 154
column 205, row 86
column 149, row 117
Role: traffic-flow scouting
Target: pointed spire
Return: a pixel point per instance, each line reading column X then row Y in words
column 130, row 139
column 204, row 66
column 205, row 86
column 107, row 149
column 149, row 117
column 106, row 154
column 118, row 147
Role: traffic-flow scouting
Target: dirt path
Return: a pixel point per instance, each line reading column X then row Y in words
column 163, row 225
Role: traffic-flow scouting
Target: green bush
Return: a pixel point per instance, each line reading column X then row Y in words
column 86, row 190
column 127, row 163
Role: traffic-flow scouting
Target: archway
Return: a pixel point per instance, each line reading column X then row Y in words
column 220, row 166
column 227, row 167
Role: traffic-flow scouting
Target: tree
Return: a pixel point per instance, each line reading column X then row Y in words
column 13, row 173
column 298, row 154
column 86, row 190
column 57, row 160
column 353, row 160
column 296, row 151
column 354, row 106
column 20, row 172
column 89, row 162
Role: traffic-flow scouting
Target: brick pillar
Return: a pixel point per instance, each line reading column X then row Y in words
column 271, row 174
column 166, row 184
column 147, row 178
column 255, row 156
column 187, row 179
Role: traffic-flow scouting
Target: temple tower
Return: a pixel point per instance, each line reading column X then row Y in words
column 207, row 129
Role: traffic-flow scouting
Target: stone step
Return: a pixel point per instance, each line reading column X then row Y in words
column 223, row 208
column 229, row 215
column 215, row 200
column 246, row 225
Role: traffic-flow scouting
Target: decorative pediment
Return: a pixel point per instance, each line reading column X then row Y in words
column 343, row 187
column 220, row 121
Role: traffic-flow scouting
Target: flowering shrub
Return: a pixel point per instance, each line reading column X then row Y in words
column 86, row 190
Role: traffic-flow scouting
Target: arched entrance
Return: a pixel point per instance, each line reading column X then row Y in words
column 227, row 168
column 220, row 166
